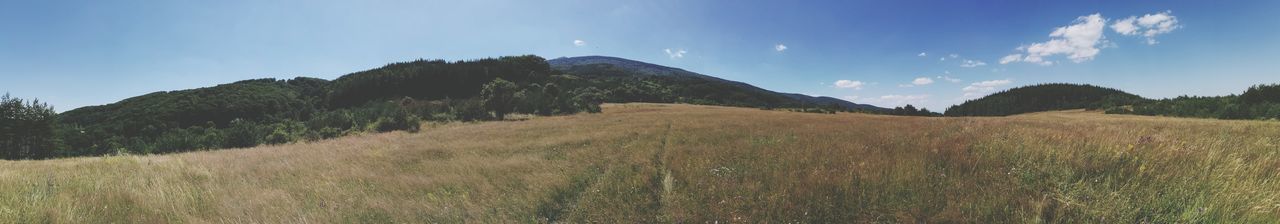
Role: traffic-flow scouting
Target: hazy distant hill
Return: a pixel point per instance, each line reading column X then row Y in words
column 1043, row 97
column 645, row 82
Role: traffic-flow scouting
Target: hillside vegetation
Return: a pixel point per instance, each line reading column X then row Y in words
column 1257, row 102
column 634, row 81
column 1043, row 97
column 270, row 111
column 394, row 97
column 638, row 163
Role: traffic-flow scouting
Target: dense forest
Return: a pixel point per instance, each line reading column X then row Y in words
column 1044, row 97
column 633, row 81
column 1258, row 102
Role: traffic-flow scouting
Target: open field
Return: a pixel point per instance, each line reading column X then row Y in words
column 683, row 163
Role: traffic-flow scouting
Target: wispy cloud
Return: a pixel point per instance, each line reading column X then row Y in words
column 922, row 81
column 898, row 100
column 922, row 54
column 972, row 63
column 675, row 54
column 949, row 79
column 579, row 43
column 1148, row 25
column 978, row 89
column 780, row 47
column 849, row 84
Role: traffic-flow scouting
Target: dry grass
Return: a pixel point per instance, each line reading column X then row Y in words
column 682, row 163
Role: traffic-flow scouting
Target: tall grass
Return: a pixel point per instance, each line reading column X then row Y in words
column 682, row 163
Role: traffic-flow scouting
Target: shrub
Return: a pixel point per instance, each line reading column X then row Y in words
column 242, row 134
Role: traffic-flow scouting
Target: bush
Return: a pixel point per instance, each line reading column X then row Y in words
column 242, row 134
column 285, row 132
column 470, row 110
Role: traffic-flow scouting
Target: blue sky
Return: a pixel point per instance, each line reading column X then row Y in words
column 74, row 54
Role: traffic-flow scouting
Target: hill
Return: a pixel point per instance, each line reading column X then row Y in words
column 647, row 163
column 1043, row 97
column 635, row 81
column 391, row 97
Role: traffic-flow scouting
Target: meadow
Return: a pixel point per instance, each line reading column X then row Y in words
column 691, row 164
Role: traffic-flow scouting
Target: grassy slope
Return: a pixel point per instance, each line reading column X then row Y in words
column 645, row 162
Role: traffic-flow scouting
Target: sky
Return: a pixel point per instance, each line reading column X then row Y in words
column 931, row 54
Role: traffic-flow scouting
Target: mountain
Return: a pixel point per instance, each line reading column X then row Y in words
column 1044, row 97
column 645, row 82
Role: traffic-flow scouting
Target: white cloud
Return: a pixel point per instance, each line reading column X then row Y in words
column 1148, row 25
column 949, row 79
column 780, row 47
column 972, row 63
column 942, row 59
column 922, row 81
column 978, row 89
column 1125, row 26
column 579, row 43
column 1079, row 42
column 922, row 54
column 674, row 54
column 849, row 84
column 1010, row 58
column 899, row 100
column 953, row 55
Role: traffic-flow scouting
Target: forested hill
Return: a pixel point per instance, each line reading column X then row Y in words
column 1044, row 97
column 635, row 81
column 393, row 97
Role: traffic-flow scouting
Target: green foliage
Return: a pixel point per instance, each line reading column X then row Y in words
column 622, row 84
column 470, row 110
column 270, row 111
column 499, row 97
column 1043, row 97
column 435, row 79
column 242, row 133
column 1260, row 94
column 910, row 110
column 397, row 120
column 1258, row 102
column 285, row 132
column 26, row 129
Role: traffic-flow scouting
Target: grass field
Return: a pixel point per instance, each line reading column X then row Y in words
column 692, row 164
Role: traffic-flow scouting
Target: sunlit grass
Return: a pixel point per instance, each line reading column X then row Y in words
column 682, row 163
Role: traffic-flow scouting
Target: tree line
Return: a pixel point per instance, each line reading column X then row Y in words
column 1257, row 102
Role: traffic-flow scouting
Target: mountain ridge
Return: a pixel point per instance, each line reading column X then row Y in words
column 570, row 64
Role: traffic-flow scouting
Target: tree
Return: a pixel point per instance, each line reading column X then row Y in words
column 910, row 110
column 26, row 129
column 498, row 96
